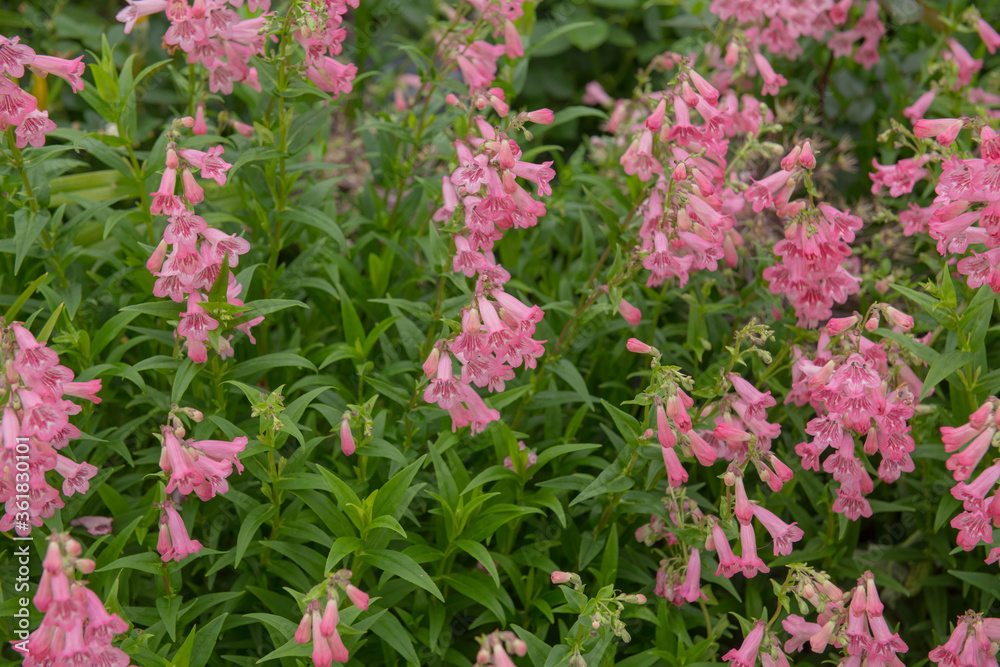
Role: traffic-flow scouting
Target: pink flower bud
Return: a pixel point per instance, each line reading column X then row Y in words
column 790, row 161
column 431, row 363
column 192, row 191
column 346, row 437
column 680, row 172
column 838, row 325
column 807, row 159
column 452, row 100
column 358, row 597
column 732, row 54
column 943, row 129
column 199, row 126
column 899, row 319
column 541, row 116
column 187, row 121
column 637, row 346
column 872, row 323
column 172, row 161
column 630, row 313
column 655, row 120
column 304, row 632
column 561, row 577
column 155, row 261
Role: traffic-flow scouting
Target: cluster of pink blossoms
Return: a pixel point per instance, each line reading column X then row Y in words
column 213, row 33
column 19, row 109
column 783, row 536
column 973, row 643
column 678, row 579
column 968, row 444
column 852, row 621
column 496, row 647
column 779, row 24
column 322, row 616
column 476, row 59
column 810, row 259
column 34, row 426
column 743, row 436
column 966, row 211
column 964, row 217
column 687, row 222
column 76, row 628
column 858, row 388
column 483, row 193
column 188, row 260
column 200, row 467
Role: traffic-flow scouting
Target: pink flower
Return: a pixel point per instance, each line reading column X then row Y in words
column 916, row 111
column 899, row 178
column 637, row 346
column 346, row 437
column 690, row 589
column 14, row 56
column 595, row 95
column 358, row 597
column 746, row 655
column 772, row 82
column 943, row 129
column 967, row 65
column 33, row 128
column 630, row 313
column 174, row 542
column 561, row 577
column 783, row 534
column 639, row 160
column 70, row 70
column 989, row 36
column 95, row 525
column 760, row 194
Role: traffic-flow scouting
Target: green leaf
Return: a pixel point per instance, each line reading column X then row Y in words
column 565, row 369
column 27, row 226
column 353, row 331
column 481, row 554
column 988, row 583
column 147, row 562
column 944, row 366
column 248, row 528
column 589, row 37
column 342, row 547
column 183, row 656
column 395, row 635
column 24, row 296
column 167, row 608
column 404, row 567
column 385, row 521
column 393, row 491
column 43, row 335
column 205, row 640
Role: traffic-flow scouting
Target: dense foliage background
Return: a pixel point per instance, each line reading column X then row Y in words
column 454, row 531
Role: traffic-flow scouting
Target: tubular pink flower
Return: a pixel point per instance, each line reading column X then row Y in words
column 943, row 129
column 746, row 655
column 70, row 70
column 346, row 437
column 690, row 590
column 676, row 474
column 783, row 534
column 358, row 597
column 989, row 36
column 629, row 313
